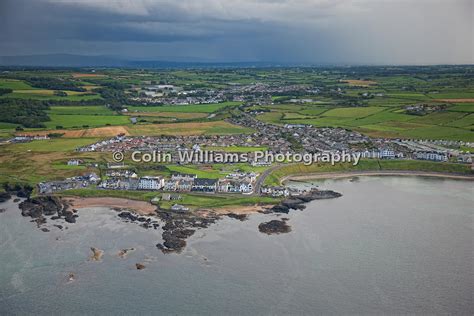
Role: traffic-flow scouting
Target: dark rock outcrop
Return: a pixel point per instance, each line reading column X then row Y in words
column 140, row 266
column 4, row 196
column 145, row 222
column 69, row 216
column 41, row 206
column 297, row 202
column 274, row 227
column 180, row 226
column 128, row 216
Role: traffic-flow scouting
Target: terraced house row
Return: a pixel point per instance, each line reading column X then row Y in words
column 243, row 183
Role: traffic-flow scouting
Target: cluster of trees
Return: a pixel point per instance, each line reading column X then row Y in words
column 5, row 91
column 54, row 84
column 32, row 113
column 113, row 93
column 60, row 93
column 29, row 113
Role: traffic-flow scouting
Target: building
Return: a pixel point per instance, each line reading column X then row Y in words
column 67, row 184
column 238, row 182
column 275, row 191
column 183, row 176
column 465, row 158
column 74, row 162
column 387, row 154
column 120, row 173
column 381, row 154
column 170, row 197
column 179, row 208
column 150, row 183
column 204, row 185
column 184, row 185
column 120, row 184
column 431, row 155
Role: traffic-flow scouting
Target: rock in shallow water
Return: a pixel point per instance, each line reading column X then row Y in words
column 96, row 254
column 140, row 266
column 274, row 227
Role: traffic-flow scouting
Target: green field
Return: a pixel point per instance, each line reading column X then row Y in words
column 195, row 108
column 80, row 110
column 68, row 121
column 51, row 145
column 366, row 165
column 354, row 113
column 382, row 121
column 14, row 84
column 22, row 90
column 43, row 96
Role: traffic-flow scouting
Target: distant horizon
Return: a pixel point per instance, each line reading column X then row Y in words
column 119, row 61
column 316, row 32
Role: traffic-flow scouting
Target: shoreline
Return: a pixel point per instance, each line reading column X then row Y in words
column 242, row 210
column 350, row 174
column 146, row 208
column 140, row 207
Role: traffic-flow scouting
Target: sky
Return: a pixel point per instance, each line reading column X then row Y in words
column 288, row 31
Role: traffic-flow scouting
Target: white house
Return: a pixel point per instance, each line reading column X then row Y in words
column 150, row 183
column 74, row 162
column 431, row 155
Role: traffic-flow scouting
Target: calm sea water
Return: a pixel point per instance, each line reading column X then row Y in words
column 389, row 245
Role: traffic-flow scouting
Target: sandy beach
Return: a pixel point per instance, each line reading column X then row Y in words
column 334, row 175
column 146, row 208
column 141, row 207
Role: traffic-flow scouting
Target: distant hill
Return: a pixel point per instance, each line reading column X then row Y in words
column 69, row 60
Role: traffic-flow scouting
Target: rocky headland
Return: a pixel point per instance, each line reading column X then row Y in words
column 176, row 226
column 298, row 202
column 180, row 226
column 41, row 206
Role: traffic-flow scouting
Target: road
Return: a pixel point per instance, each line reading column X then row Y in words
column 262, row 177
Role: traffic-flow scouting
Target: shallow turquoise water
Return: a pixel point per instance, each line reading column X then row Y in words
column 389, row 245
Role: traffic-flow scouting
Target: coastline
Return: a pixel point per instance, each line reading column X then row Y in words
column 242, row 210
column 350, row 174
column 140, row 207
column 146, row 208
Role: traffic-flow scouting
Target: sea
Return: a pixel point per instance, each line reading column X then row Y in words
column 389, row 245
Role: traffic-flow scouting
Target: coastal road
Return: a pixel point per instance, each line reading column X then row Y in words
column 262, row 177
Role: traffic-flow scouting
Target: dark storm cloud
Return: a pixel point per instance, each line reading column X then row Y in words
column 319, row 31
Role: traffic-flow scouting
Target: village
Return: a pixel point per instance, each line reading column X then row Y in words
column 150, row 93
column 295, row 138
